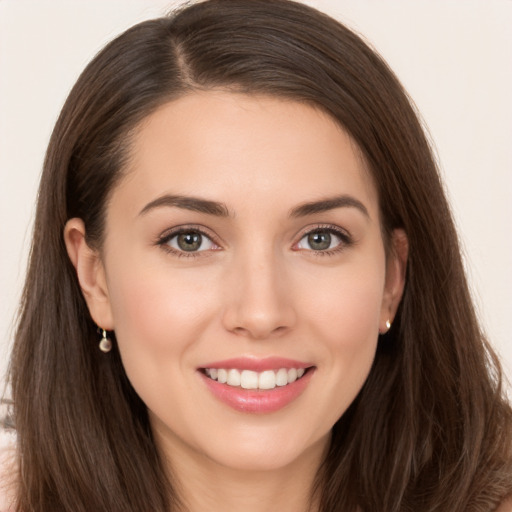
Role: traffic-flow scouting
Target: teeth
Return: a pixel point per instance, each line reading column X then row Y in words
column 249, row 379
column 266, row 380
column 282, row 377
column 234, row 378
column 222, row 376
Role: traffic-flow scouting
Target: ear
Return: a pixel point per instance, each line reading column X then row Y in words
column 396, row 265
column 90, row 272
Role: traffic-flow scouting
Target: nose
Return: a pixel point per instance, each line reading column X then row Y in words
column 259, row 297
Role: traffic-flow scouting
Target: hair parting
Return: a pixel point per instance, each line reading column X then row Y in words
column 430, row 430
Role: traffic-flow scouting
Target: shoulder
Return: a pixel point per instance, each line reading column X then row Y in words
column 506, row 506
column 7, row 469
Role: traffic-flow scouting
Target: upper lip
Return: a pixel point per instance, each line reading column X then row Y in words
column 257, row 364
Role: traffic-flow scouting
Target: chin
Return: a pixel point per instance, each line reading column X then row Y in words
column 262, row 454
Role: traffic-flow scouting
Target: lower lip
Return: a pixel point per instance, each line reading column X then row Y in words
column 258, row 401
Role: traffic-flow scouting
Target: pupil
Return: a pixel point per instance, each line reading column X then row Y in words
column 189, row 241
column 319, row 241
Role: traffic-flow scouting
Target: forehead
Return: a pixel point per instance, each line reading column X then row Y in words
column 230, row 146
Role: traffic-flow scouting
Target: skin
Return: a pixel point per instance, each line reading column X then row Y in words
column 258, row 289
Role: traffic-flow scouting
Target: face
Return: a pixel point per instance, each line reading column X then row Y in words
column 244, row 244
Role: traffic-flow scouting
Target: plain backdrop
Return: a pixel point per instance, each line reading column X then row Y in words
column 454, row 58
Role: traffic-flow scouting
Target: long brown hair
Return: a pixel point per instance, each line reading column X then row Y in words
column 430, row 430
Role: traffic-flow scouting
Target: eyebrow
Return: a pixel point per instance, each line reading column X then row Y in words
column 195, row 204
column 327, row 204
column 218, row 209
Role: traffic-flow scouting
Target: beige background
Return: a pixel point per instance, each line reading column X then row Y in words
column 454, row 57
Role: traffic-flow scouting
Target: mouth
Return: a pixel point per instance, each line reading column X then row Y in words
column 249, row 379
column 257, row 386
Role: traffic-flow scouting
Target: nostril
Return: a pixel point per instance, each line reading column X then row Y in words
column 260, row 332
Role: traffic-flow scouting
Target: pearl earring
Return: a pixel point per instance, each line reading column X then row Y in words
column 105, row 343
column 388, row 324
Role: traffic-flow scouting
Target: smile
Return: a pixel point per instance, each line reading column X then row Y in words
column 249, row 379
column 257, row 386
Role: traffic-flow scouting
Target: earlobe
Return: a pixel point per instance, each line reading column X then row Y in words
column 396, row 266
column 90, row 273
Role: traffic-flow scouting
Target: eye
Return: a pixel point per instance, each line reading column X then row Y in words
column 324, row 240
column 188, row 241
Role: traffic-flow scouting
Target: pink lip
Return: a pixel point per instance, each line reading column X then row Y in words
column 256, row 364
column 258, row 401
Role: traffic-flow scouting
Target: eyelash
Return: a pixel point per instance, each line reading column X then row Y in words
column 346, row 239
column 164, row 240
column 344, row 236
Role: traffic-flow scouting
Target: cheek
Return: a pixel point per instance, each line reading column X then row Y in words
column 349, row 327
column 346, row 308
column 345, row 321
column 158, row 319
column 157, row 311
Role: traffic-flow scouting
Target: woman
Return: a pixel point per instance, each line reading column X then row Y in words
column 245, row 289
